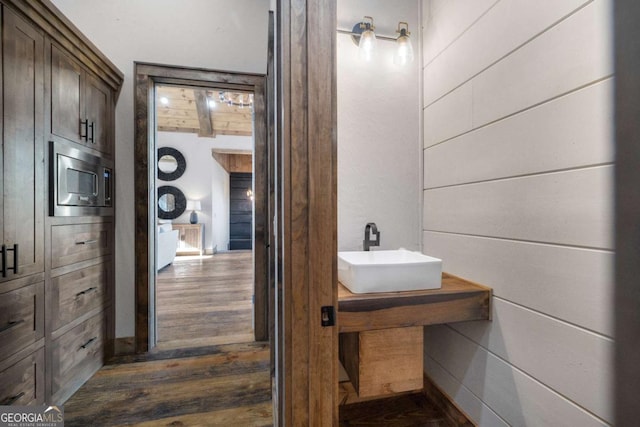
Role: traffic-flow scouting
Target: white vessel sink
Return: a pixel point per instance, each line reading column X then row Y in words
column 388, row 271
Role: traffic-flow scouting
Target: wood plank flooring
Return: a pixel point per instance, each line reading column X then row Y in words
column 400, row 411
column 230, row 386
column 190, row 380
column 204, row 301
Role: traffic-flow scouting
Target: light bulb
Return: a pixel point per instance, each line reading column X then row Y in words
column 367, row 45
column 404, row 49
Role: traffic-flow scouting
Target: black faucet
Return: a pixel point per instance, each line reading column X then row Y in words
column 371, row 227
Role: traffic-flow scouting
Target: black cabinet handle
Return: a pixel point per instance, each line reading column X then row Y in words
column 85, row 124
column 87, row 242
column 15, row 258
column 86, row 291
column 4, row 251
column 11, row 325
column 91, row 139
column 4, row 260
column 88, row 343
column 10, row 400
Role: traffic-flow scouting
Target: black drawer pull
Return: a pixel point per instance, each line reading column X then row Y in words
column 88, row 343
column 4, row 267
column 11, row 325
column 90, row 138
column 9, row 400
column 86, row 291
column 84, row 124
column 4, row 260
column 87, row 242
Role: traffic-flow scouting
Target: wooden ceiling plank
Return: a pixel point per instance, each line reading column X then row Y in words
column 218, row 126
column 204, row 118
column 177, row 129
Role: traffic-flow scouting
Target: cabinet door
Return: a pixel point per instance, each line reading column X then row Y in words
column 66, row 92
column 97, row 107
column 76, row 356
column 23, row 383
column 23, row 141
column 193, row 238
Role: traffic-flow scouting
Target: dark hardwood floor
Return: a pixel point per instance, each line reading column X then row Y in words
column 229, row 387
column 408, row 410
column 204, row 301
column 191, row 379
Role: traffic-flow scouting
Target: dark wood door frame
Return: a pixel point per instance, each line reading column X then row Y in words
column 147, row 76
column 308, row 352
column 627, row 211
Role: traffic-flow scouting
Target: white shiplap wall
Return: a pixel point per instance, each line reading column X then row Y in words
column 518, row 195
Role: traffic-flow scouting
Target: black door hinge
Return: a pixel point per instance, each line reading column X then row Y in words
column 328, row 314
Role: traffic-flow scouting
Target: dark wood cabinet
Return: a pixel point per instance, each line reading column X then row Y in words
column 97, row 96
column 80, row 103
column 21, row 318
column 78, row 293
column 66, row 91
column 76, row 355
column 22, row 152
column 72, row 243
column 56, row 279
column 23, row 381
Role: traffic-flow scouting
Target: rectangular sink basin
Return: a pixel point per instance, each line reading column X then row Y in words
column 388, row 271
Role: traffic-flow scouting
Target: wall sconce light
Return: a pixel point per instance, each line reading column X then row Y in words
column 404, row 49
column 365, row 38
column 193, row 206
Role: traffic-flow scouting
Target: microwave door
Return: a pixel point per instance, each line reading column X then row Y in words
column 77, row 182
column 81, row 184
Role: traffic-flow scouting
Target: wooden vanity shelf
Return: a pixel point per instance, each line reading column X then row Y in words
column 457, row 301
column 381, row 336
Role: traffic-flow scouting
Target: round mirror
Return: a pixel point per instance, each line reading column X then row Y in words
column 171, row 202
column 167, row 164
column 167, row 202
column 171, row 164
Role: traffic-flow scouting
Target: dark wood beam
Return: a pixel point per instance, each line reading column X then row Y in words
column 204, row 116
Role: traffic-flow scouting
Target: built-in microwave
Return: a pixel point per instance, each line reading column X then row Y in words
column 81, row 184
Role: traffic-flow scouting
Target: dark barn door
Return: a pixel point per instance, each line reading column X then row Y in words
column 240, row 210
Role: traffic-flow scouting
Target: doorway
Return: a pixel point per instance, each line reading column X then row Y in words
column 208, row 87
column 204, row 280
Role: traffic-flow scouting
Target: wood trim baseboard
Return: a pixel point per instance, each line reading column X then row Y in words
column 124, row 346
column 443, row 401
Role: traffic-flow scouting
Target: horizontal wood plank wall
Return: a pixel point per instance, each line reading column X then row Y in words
column 518, row 195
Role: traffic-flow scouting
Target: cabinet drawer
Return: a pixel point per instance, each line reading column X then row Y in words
column 79, row 242
column 77, row 293
column 23, row 383
column 21, row 318
column 76, row 356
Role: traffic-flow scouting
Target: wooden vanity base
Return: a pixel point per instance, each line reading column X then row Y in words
column 384, row 361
